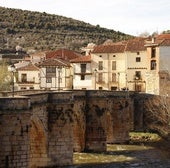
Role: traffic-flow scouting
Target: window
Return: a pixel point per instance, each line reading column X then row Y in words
column 48, row 80
column 113, row 65
column 100, row 79
column 100, row 65
column 100, row 88
column 113, row 77
column 51, row 71
column 31, row 88
column 138, row 88
column 138, row 53
column 113, row 87
column 83, row 68
column 153, row 65
column 82, row 77
column 23, row 77
column 138, row 75
column 138, row 59
column 153, row 52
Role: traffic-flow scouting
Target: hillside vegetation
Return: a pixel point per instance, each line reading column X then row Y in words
column 42, row 31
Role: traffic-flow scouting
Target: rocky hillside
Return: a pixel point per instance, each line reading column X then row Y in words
column 41, row 31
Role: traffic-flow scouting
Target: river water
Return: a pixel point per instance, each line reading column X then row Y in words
column 123, row 156
column 145, row 150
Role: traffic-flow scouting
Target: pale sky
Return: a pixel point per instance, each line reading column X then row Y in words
column 128, row 16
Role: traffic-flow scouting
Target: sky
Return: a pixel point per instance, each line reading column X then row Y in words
column 128, row 16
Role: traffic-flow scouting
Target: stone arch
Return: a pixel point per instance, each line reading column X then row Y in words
column 38, row 143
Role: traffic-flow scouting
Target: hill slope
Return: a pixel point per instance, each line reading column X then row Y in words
column 46, row 31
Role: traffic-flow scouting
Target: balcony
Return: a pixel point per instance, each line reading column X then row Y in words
column 83, row 73
column 26, row 82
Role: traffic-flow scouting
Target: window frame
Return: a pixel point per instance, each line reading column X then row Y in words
column 138, row 59
column 113, row 65
column 100, row 67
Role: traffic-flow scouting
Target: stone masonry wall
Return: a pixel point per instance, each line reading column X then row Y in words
column 118, row 117
column 39, row 136
column 14, row 133
column 44, row 129
column 39, row 130
column 95, row 124
column 60, row 129
column 79, row 122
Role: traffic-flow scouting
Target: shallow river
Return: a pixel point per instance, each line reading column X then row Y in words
column 123, row 156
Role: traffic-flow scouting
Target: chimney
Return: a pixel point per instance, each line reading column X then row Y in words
column 153, row 39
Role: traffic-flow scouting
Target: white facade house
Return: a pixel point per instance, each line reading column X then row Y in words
column 158, row 74
column 136, row 64
column 55, row 74
column 82, row 77
column 139, row 64
column 108, row 63
column 121, row 66
column 28, row 77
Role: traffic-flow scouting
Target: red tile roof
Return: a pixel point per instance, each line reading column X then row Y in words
column 29, row 67
column 54, row 62
column 82, row 59
column 136, row 44
column 64, row 54
column 165, row 42
column 114, row 48
column 133, row 45
column 163, row 36
column 160, row 40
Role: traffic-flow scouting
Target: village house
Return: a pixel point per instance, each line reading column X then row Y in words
column 28, row 77
column 139, row 64
column 82, row 73
column 108, row 64
column 55, row 74
column 136, row 64
column 158, row 56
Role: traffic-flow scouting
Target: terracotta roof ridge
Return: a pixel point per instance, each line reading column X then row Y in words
column 86, row 58
column 62, row 61
column 30, row 65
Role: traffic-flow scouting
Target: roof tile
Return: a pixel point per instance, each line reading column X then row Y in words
column 114, row 48
column 136, row 44
column 82, row 59
column 64, row 54
column 29, row 67
column 54, row 62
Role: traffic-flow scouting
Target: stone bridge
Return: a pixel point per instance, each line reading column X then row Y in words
column 45, row 128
